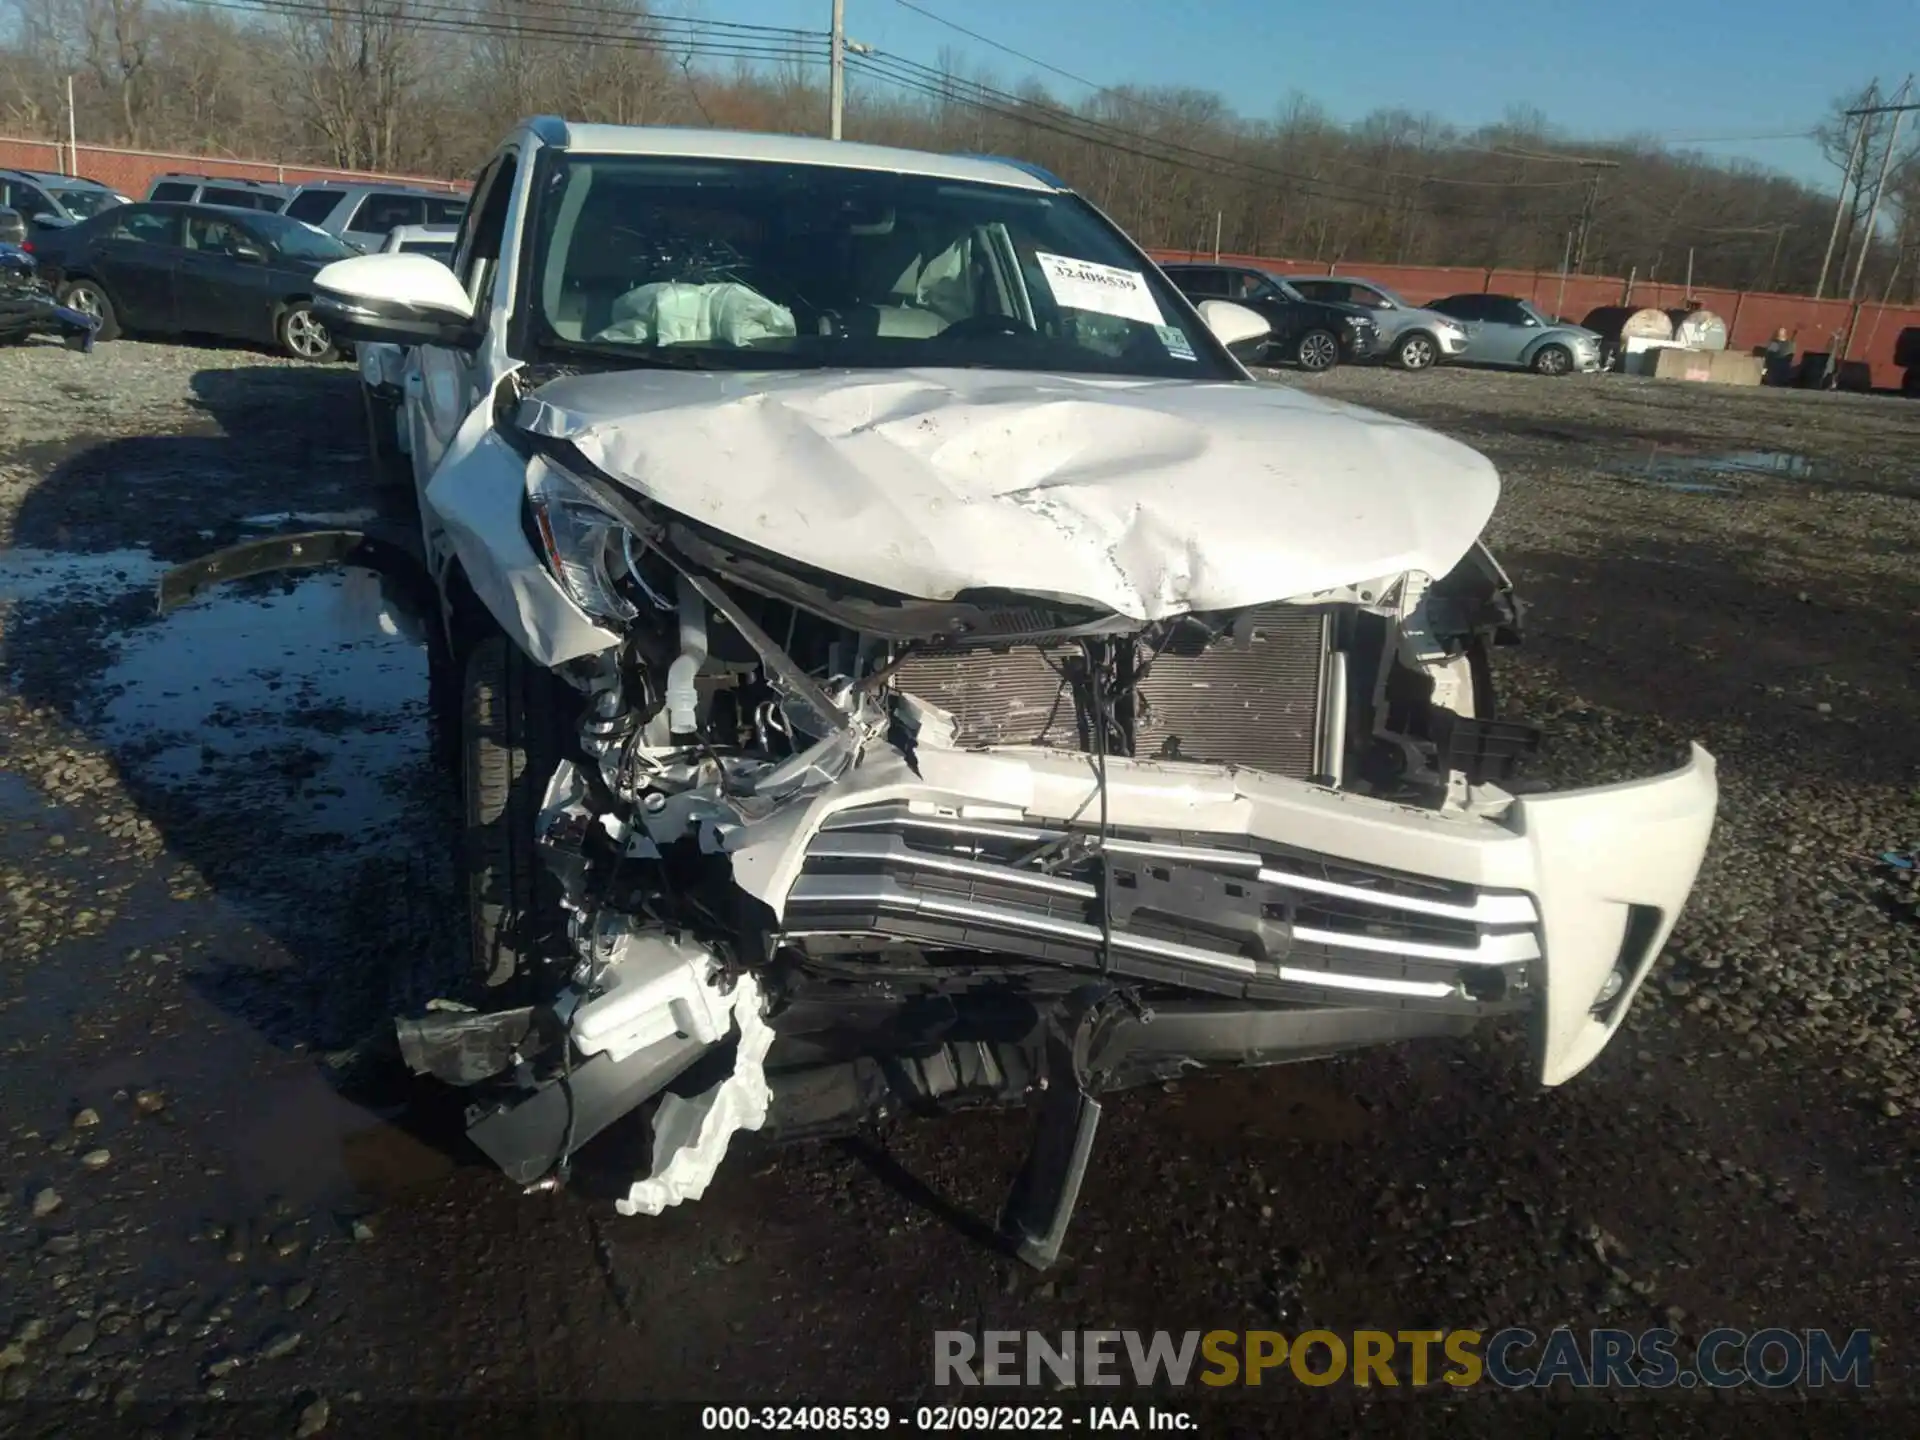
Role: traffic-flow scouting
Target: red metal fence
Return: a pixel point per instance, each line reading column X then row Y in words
column 132, row 171
column 1818, row 326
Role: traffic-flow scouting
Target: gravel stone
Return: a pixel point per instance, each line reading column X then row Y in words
column 314, row 1417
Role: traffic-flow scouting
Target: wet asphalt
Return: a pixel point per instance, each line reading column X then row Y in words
column 224, row 852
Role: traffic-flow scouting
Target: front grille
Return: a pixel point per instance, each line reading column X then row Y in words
column 1208, row 912
column 1253, row 698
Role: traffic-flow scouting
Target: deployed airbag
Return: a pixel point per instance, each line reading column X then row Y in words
column 670, row 313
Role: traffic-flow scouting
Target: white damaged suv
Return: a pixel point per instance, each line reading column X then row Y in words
column 902, row 661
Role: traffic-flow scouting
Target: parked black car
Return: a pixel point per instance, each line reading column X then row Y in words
column 27, row 306
column 196, row 269
column 1313, row 334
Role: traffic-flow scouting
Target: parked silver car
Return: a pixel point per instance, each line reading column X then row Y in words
column 362, row 215
column 1411, row 337
column 1506, row 330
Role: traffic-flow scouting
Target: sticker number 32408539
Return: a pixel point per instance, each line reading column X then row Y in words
column 1103, row 289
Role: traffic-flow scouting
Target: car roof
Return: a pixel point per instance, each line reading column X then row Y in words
column 396, row 187
column 786, row 149
column 54, row 178
column 234, row 180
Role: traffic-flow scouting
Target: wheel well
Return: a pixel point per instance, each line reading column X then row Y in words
column 1412, row 331
column 467, row 621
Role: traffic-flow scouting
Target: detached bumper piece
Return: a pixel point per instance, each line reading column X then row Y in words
column 24, row 313
column 1257, row 924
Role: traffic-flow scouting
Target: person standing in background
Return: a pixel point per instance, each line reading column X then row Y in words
column 1778, row 369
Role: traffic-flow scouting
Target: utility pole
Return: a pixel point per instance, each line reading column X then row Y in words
column 837, row 70
column 1846, row 183
column 1899, row 109
column 1587, row 207
column 1779, row 234
column 73, row 145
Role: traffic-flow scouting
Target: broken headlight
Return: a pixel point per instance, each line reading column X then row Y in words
column 588, row 550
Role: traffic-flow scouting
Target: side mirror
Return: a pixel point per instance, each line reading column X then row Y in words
column 1232, row 324
column 252, row 254
column 394, row 298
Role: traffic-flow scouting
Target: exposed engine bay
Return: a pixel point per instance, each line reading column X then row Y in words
column 922, row 954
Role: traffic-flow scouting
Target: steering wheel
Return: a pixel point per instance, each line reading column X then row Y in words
column 979, row 325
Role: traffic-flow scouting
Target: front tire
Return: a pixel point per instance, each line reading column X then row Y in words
column 510, row 745
column 301, row 335
column 1416, row 352
column 1552, row 360
column 1317, row 350
column 89, row 298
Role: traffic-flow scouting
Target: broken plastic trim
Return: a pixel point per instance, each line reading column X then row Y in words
column 390, row 556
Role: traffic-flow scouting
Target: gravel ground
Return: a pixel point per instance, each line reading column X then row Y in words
column 218, row 847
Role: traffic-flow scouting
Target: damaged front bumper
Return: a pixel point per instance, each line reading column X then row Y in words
column 1246, row 885
column 1283, row 919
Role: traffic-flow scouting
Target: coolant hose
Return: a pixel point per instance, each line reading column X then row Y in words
column 683, row 700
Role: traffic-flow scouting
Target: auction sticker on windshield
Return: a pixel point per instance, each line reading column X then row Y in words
column 1103, row 289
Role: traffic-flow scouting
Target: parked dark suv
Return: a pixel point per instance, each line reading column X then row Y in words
column 47, row 201
column 1313, row 334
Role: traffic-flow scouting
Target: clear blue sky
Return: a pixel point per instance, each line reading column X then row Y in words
column 1682, row 69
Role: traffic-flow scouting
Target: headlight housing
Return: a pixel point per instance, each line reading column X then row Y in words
column 588, row 550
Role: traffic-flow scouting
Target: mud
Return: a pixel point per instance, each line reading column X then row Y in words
column 240, row 799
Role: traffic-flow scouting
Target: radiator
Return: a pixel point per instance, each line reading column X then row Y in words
column 1253, row 699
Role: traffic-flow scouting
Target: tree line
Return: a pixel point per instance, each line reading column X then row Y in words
column 428, row 86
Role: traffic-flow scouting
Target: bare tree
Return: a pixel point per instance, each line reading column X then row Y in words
column 351, row 69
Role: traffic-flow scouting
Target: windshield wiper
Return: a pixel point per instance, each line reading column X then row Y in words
column 650, row 358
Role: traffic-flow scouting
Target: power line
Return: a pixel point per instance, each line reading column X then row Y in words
column 919, row 79
column 646, row 32
column 1132, row 97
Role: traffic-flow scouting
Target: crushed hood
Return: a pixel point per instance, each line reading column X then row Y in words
column 1148, row 497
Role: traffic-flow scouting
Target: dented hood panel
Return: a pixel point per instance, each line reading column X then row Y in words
column 1148, row 497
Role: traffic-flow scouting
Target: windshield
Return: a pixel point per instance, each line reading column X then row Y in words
column 84, row 204
column 1527, row 305
column 755, row 265
column 299, row 241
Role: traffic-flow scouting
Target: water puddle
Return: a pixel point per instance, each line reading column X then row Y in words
column 303, row 705
column 18, row 799
column 40, row 575
column 1711, row 474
